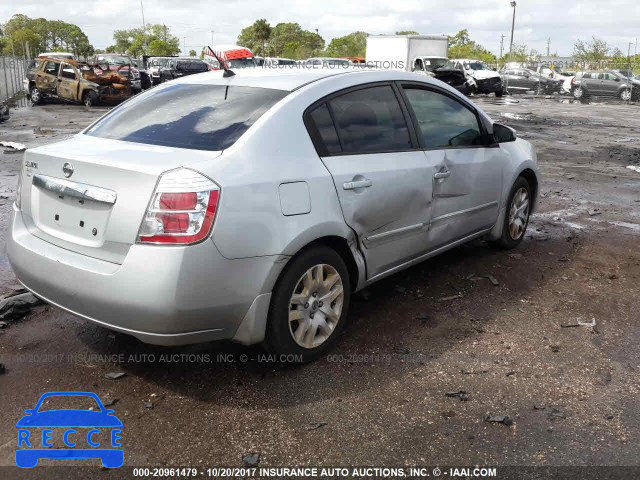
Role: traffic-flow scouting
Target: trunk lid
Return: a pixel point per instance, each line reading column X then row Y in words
column 97, row 209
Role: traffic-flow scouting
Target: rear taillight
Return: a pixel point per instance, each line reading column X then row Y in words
column 573, row 81
column 182, row 209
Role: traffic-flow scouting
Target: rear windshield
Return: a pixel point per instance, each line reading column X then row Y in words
column 198, row 117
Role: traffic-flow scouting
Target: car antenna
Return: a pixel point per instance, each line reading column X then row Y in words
column 227, row 71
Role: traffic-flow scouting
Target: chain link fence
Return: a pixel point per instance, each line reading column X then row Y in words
column 12, row 74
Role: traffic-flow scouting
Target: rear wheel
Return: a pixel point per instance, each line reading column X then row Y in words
column 578, row 93
column 517, row 216
column 309, row 305
column 36, row 95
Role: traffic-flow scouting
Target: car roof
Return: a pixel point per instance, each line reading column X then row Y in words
column 290, row 79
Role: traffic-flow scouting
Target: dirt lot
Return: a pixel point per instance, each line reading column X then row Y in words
column 515, row 348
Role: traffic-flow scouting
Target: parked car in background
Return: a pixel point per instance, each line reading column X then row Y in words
column 327, row 62
column 121, row 63
column 605, row 84
column 154, row 65
column 557, row 74
column 145, row 80
column 522, row 80
column 276, row 62
column 481, row 79
column 178, row 218
column 181, row 67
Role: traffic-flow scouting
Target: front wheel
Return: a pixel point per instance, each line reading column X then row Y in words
column 309, row 305
column 625, row 95
column 516, row 218
column 90, row 99
column 578, row 93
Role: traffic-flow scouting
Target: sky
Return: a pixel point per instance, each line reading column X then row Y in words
column 563, row 22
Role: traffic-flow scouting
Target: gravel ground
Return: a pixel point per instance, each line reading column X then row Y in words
column 515, row 345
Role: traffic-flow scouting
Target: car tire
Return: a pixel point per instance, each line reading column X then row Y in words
column 36, row 95
column 578, row 93
column 516, row 217
column 90, row 99
column 625, row 95
column 499, row 93
column 315, row 276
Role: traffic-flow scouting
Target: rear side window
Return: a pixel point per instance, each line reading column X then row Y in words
column 443, row 121
column 370, row 121
column 198, row 117
column 326, row 131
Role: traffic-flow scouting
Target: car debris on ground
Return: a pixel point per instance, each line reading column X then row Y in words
column 504, row 419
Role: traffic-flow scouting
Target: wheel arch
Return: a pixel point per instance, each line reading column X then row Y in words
column 530, row 176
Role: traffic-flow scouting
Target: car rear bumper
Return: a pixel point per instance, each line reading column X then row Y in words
column 160, row 294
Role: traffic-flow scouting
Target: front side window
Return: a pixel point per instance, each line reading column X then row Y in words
column 443, row 122
column 68, row 72
column 52, row 68
column 198, row 117
column 370, row 120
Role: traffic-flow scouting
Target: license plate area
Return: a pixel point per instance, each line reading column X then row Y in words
column 81, row 221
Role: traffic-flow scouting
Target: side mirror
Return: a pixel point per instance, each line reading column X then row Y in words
column 503, row 134
column 617, row 79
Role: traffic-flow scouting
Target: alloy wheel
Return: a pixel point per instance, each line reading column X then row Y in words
column 578, row 92
column 519, row 214
column 35, row 95
column 625, row 95
column 315, row 306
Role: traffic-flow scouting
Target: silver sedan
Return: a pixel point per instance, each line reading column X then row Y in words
column 251, row 207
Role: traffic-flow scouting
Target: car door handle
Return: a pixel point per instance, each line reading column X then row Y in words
column 441, row 175
column 357, row 184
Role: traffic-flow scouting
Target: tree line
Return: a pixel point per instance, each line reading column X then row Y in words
column 23, row 36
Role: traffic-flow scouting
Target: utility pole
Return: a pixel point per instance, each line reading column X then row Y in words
column 144, row 28
column 513, row 26
column 184, row 43
column 211, row 37
column 502, row 37
column 548, row 46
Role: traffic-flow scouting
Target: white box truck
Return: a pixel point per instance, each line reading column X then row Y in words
column 425, row 54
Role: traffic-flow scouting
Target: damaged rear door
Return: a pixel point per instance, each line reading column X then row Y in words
column 47, row 77
column 383, row 182
column 68, row 83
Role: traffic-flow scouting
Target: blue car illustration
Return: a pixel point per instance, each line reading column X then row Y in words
column 29, row 452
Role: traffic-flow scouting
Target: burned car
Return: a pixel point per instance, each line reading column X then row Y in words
column 123, row 64
column 77, row 82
